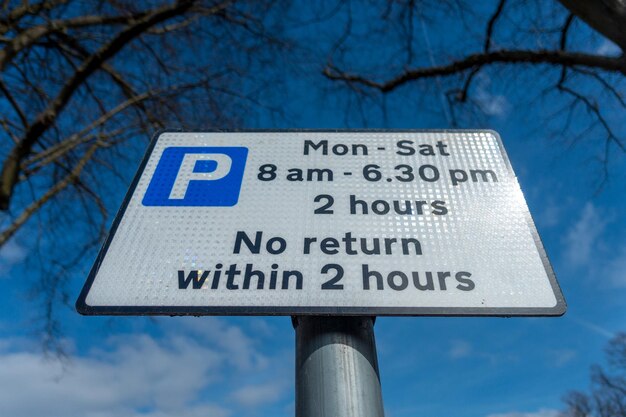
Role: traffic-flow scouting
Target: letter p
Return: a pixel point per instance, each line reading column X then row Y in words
column 199, row 167
column 197, row 176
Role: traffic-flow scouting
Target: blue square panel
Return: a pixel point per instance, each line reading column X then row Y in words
column 197, row 176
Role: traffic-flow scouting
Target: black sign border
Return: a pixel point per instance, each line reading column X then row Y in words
column 83, row 308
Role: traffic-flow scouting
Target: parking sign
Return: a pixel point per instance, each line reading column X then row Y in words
column 324, row 222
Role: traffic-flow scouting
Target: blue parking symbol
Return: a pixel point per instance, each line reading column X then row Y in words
column 197, row 176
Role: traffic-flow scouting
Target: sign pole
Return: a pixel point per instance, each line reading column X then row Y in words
column 336, row 367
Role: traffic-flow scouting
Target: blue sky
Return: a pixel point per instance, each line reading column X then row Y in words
column 244, row 366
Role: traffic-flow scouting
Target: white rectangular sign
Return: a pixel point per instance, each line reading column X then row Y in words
column 324, row 222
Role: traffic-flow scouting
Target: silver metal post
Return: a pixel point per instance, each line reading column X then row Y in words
column 336, row 367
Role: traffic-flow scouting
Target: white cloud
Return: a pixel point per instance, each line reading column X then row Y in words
column 615, row 269
column 260, row 327
column 562, row 357
column 138, row 372
column 583, row 243
column 491, row 104
column 593, row 327
column 608, row 48
column 581, row 239
column 244, row 353
column 254, row 395
column 184, row 372
column 460, row 349
column 551, row 213
column 11, row 253
column 191, row 411
column 544, row 412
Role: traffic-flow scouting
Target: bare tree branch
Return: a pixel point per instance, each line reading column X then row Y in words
column 608, row 17
column 8, row 232
column 29, row 36
column 125, row 86
column 14, row 104
column 53, row 153
column 607, row 396
column 46, row 118
column 83, row 84
column 594, row 109
column 25, row 9
column 564, row 30
column 479, row 60
column 491, row 24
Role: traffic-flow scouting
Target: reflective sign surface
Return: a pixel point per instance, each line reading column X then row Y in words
column 319, row 222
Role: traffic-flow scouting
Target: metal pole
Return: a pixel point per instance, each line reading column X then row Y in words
column 336, row 367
